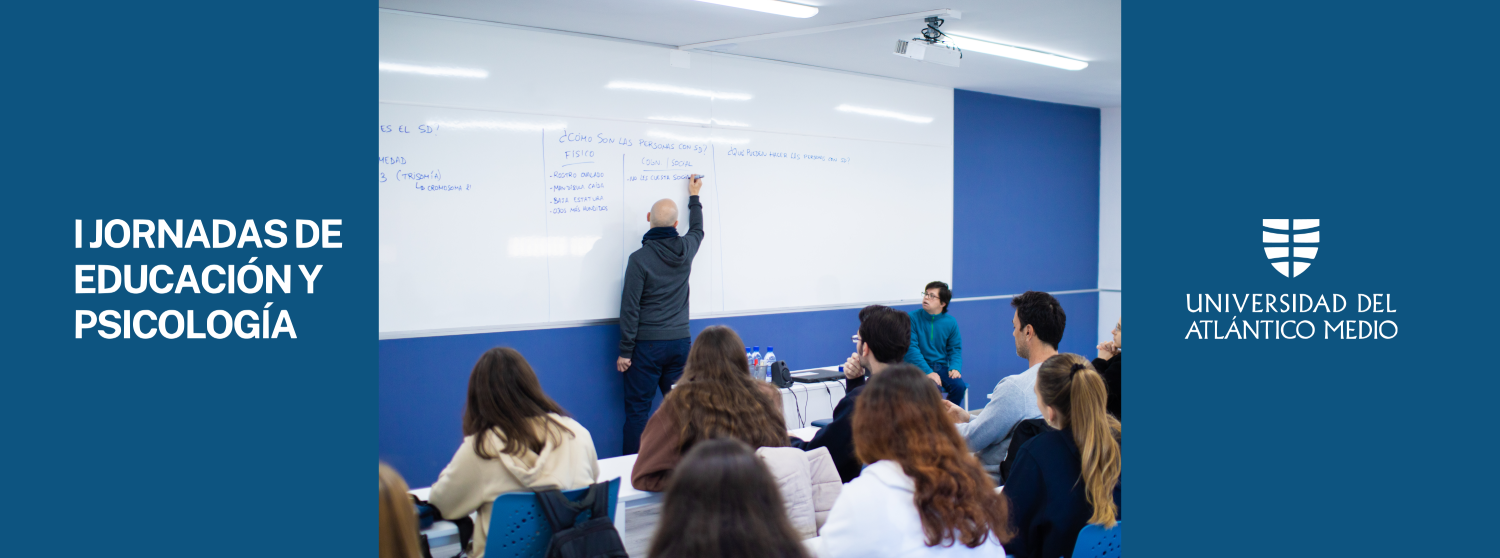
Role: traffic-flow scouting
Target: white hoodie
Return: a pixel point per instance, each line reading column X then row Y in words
column 876, row 516
column 470, row 482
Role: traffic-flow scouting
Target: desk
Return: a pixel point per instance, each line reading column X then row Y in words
column 636, row 511
column 803, row 403
column 442, row 536
column 816, row 401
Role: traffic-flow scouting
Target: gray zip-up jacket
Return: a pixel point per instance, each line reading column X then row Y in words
column 654, row 304
column 988, row 434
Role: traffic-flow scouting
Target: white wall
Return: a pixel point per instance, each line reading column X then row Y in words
column 1109, row 221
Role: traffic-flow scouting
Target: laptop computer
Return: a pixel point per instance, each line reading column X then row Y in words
column 816, row 375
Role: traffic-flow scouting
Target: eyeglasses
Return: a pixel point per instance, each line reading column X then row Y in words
column 856, row 339
column 926, row 296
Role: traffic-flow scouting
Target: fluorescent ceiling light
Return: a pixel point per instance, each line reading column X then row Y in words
column 434, row 70
column 885, row 114
column 769, row 6
column 713, row 121
column 659, row 88
column 712, row 139
column 1018, row 53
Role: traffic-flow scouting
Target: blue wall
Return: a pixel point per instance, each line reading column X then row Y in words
column 1025, row 196
column 1026, row 217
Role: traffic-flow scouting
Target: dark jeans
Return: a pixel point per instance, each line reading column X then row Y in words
column 653, row 365
column 953, row 388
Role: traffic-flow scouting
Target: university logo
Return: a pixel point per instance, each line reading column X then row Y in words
column 1292, row 249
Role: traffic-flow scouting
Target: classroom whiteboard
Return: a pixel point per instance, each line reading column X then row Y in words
column 513, row 200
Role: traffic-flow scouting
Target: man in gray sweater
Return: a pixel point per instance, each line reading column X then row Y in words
column 654, row 336
column 1038, row 327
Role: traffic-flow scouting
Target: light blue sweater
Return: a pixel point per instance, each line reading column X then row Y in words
column 988, row 433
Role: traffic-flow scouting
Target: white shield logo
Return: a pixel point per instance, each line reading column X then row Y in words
column 1291, row 254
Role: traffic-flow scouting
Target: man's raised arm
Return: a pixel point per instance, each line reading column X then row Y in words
column 695, row 207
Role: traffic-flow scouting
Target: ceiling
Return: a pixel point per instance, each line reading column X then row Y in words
column 1087, row 30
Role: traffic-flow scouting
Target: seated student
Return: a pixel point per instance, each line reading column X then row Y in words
column 935, row 335
column 883, row 338
column 1038, row 328
column 716, row 398
column 398, row 518
column 723, row 503
column 1069, row 477
column 923, row 494
column 516, row 439
column 1108, row 365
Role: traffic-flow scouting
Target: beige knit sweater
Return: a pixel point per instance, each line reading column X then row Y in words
column 470, row 482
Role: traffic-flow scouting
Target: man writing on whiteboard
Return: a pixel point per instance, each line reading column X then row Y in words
column 654, row 336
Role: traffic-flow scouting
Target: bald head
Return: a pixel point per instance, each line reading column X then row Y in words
column 663, row 213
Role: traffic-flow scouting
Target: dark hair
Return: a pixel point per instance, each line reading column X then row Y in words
column 887, row 331
column 899, row 417
column 1070, row 385
column 1043, row 313
column 504, row 395
column 717, row 398
column 722, row 502
column 944, row 294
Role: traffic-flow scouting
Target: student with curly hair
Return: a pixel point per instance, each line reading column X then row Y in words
column 716, row 398
column 923, row 493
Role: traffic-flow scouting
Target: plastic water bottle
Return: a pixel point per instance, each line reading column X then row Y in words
column 768, row 361
column 755, row 362
column 750, row 360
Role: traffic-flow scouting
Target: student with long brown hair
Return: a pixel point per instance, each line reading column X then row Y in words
column 923, row 493
column 716, row 398
column 398, row 517
column 515, row 439
column 724, row 503
column 1069, row 477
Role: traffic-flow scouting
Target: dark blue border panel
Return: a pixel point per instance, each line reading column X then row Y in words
column 188, row 446
column 1025, row 195
column 423, row 380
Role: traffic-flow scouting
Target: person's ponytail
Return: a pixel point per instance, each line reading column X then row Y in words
column 1094, row 430
column 1077, row 391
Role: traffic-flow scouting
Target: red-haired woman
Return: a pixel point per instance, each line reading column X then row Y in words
column 923, row 493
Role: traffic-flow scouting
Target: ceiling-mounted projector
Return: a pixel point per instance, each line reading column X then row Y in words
column 937, row 53
column 930, row 47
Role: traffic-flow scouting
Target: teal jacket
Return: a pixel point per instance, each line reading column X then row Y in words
column 934, row 340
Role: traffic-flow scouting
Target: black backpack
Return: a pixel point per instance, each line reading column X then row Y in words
column 1023, row 431
column 592, row 538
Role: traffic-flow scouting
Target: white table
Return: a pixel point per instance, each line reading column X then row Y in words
column 803, row 403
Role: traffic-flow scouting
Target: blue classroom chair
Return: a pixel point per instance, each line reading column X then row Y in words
column 1097, row 542
column 518, row 528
